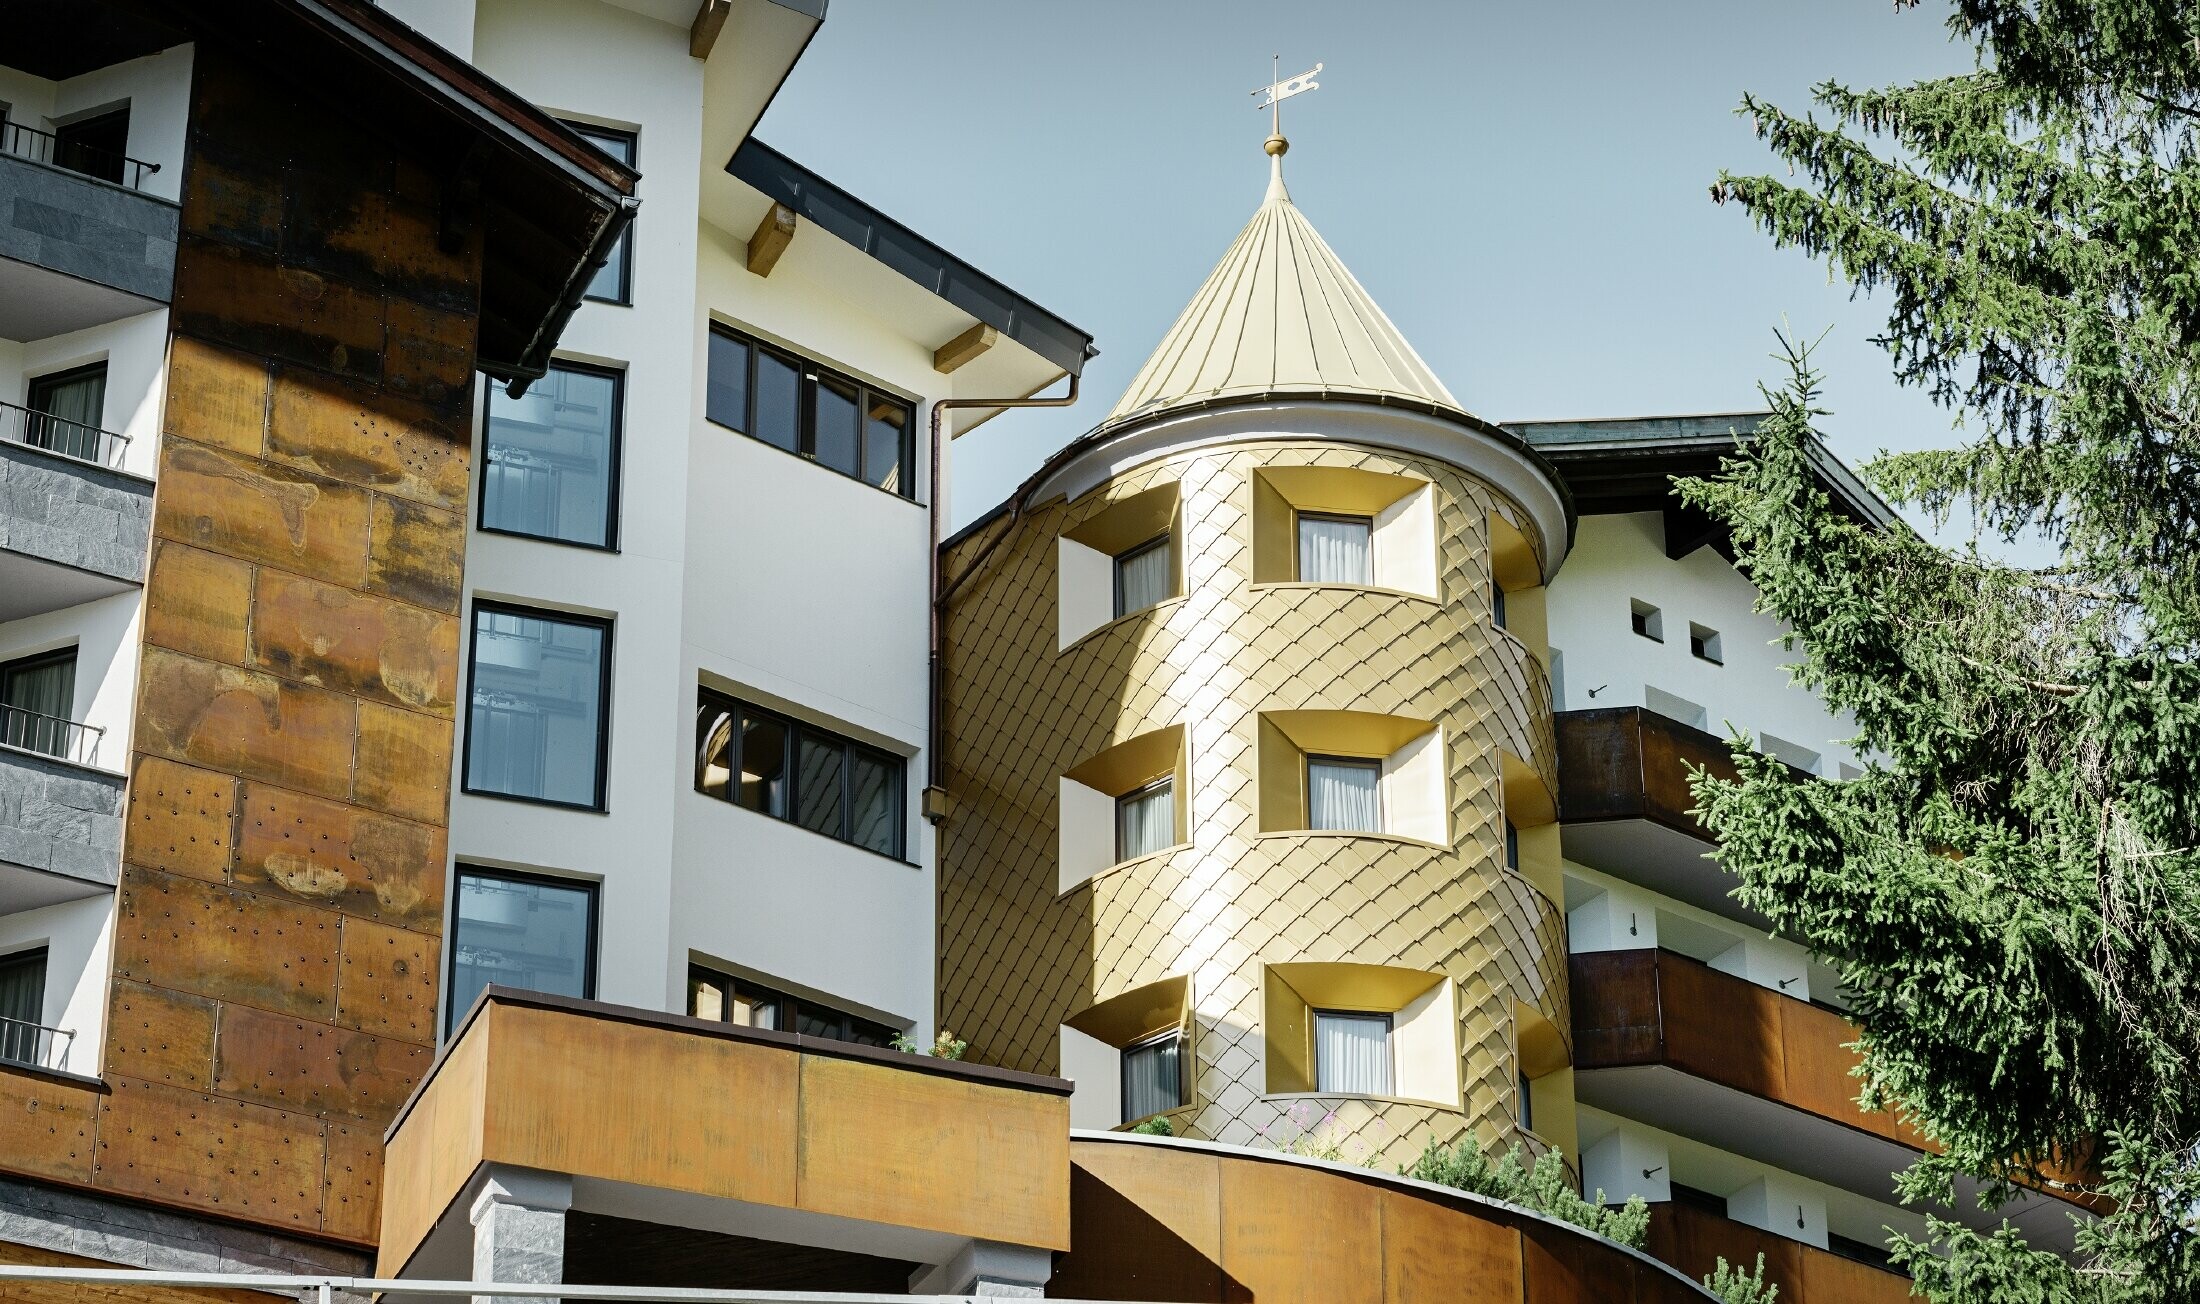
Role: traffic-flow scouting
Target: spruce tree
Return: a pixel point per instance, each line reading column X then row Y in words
column 2011, row 891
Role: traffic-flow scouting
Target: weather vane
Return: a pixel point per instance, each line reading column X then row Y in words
column 1283, row 88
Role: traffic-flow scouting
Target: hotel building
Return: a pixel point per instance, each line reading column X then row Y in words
column 443, row 836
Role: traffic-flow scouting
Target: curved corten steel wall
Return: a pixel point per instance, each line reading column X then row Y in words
column 1155, row 1219
column 1020, row 956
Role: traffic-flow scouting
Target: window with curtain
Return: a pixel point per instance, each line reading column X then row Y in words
column 1497, row 605
column 1142, row 577
column 535, row 724
column 791, row 402
column 614, row 280
column 515, row 930
column 22, row 1005
column 66, row 409
column 723, row 998
column 1344, row 793
column 796, row 771
column 1153, row 1080
column 550, row 465
column 1336, row 549
column 1352, row 1053
column 37, row 695
column 1145, row 820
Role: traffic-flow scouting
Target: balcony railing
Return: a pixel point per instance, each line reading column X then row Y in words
column 50, row 735
column 21, row 425
column 99, row 164
column 34, row 1045
column 1694, row 1240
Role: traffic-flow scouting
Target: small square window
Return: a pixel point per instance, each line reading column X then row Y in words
column 1703, row 644
column 1352, row 1053
column 1153, row 1076
column 1343, row 794
column 1145, row 820
column 1647, row 620
column 1142, row 576
column 1336, row 549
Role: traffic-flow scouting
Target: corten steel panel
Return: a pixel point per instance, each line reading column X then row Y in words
column 1556, row 1270
column 385, row 981
column 400, row 447
column 331, row 853
column 1616, row 1016
column 197, row 602
column 1624, row 762
column 403, row 763
column 892, row 1146
column 1723, row 1028
column 1151, row 1220
column 1816, row 1051
column 434, row 1152
column 187, row 936
column 1831, row 1279
column 31, row 1256
column 368, row 647
column 245, row 507
column 1293, row 1234
column 1694, row 1240
column 1432, row 1255
column 311, row 1068
column 181, row 819
column 47, row 1127
column 211, row 1153
column 351, row 1182
column 243, row 722
column 216, row 396
column 1017, row 959
column 157, row 1035
column 696, row 1113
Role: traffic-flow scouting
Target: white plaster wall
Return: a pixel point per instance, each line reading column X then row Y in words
column 1617, row 558
column 157, row 87
column 76, row 935
column 135, row 350
column 1097, row 1069
column 105, row 635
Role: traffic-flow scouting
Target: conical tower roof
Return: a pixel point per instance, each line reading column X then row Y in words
column 1279, row 314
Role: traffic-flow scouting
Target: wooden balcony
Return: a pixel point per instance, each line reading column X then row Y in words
column 1626, row 763
column 1694, row 1240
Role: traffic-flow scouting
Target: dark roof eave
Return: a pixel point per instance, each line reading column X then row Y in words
column 784, row 181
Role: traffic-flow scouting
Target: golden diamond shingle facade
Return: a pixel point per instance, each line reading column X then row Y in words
column 1016, row 958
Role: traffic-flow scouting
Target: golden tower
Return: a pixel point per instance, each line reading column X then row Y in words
column 1250, row 757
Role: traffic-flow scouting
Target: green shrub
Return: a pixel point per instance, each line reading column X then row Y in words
column 1543, row 1187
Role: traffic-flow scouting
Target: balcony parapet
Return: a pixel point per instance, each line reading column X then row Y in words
column 61, row 437
column 1694, row 1240
column 60, row 820
column 71, row 531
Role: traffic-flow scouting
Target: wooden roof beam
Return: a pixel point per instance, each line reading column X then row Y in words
column 773, row 234
column 965, row 347
column 710, row 19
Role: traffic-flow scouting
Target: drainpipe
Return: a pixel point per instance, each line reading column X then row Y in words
column 935, row 789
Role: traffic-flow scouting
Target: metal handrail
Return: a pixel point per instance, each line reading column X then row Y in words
column 87, row 160
column 50, row 735
column 22, row 425
column 27, row 1043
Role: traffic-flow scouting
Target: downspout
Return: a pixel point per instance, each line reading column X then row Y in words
column 935, row 789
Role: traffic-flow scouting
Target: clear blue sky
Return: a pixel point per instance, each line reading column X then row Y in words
column 1523, row 187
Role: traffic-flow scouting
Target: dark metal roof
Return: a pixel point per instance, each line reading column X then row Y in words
column 1628, row 464
column 811, row 196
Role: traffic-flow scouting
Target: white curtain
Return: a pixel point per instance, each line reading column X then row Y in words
column 1352, row 1054
column 1343, row 795
column 1142, row 578
column 1335, row 551
column 1150, row 1078
column 1145, row 821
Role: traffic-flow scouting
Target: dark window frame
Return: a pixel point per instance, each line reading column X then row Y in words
column 790, row 1008
column 810, row 373
column 13, row 1036
column 792, row 731
column 34, row 386
column 1123, row 1072
column 594, row 135
column 1497, row 604
column 1512, row 846
column 1706, row 645
column 1335, row 518
column 1162, row 540
column 66, row 140
column 38, row 661
column 1306, row 788
column 614, row 495
column 600, row 806
column 591, row 964
column 1314, row 1015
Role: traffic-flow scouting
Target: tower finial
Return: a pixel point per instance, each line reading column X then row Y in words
column 1277, row 91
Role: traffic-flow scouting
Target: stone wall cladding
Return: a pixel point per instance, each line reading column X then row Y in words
column 59, row 509
column 1016, row 959
column 60, row 818
column 54, row 218
column 280, row 903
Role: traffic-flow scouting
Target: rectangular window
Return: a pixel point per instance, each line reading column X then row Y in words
column 1352, row 1053
column 1145, row 820
column 1703, row 644
column 794, row 771
column 518, row 930
column 1343, row 793
column 1336, row 549
column 614, row 281
column 1526, row 1099
column 1142, row 576
column 22, row 1006
column 1646, row 620
column 536, row 727
column 791, row 402
column 550, row 466
column 37, row 698
column 723, row 998
column 1153, row 1078
column 1512, row 846
column 66, row 409
column 1497, row 605
column 94, row 146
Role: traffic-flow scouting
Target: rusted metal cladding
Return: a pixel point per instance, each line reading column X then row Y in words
column 1018, row 956
column 282, row 887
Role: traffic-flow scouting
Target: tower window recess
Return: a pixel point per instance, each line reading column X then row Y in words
column 1352, row 1054
column 1336, row 549
column 1647, row 620
column 1153, row 1076
column 1344, row 794
column 1145, row 820
column 1144, row 576
column 1703, row 644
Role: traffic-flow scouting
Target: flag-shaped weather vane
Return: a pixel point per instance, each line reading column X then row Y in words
column 1283, row 88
